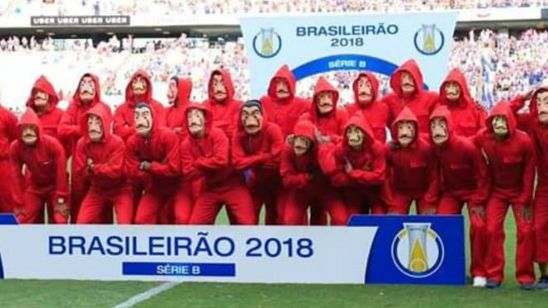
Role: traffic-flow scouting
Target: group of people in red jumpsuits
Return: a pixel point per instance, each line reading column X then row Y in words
column 150, row 164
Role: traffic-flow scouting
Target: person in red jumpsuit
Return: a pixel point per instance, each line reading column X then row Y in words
column 281, row 103
column 368, row 104
column 511, row 160
column 535, row 124
column 99, row 158
column 464, row 178
column 45, row 180
column 467, row 115
column 360, row 164
column 221, row 101
column 152, row 158
column 256, row 148
column 412, row 169
column 303, row 179
column 408, row 91
column 87, row 96
column 205, row 156
column 8, row 133
column 178, row 96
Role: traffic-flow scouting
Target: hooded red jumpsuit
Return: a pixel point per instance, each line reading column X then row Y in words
column 284, row 112
column 468, row 118
column 303, row 180
column 538, row 133
column 8, row 133
column 207, row 158
column 259, row 156
column 45, row 179
column 375, row 112
column 225, row 113
column 160, row 182
column 175, row 114
column 109, row 185
column 412, row 171
column 365, row 183
column 512, row 170
column 421, row 102
column 459, row 158
column 70, row 129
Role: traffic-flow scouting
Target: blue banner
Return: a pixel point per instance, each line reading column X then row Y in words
column 8, row 219
column 311, row 45
column 415, row 249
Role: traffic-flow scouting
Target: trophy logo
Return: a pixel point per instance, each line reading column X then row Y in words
column 429, row 40
column 417, row 250
column 267, row 43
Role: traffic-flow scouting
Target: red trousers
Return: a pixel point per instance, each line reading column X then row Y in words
column 33, row 208
column 452, row 205
column 6, row 180
column 400, row 204
column 234, row 194
column 184, row 200
column 98, row 201
column 267, row 194
column 328, row 201
column 497, row 207
column 362, row 200
column 540, row 207
column 153, row 205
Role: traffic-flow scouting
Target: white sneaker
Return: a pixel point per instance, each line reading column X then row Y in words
column 480, row 282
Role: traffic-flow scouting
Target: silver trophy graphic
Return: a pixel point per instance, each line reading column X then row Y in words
column 418, row 256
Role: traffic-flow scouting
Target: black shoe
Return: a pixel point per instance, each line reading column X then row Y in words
column 542, row 283
column 492, row 284
column 527, row 286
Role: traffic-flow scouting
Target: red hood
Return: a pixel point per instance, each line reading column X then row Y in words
column 43, row 84
column 283, row 73
column 323, row 85
column 101, row 112
column 129, row 91
column 374, row 83
column 227, row 81
column 502, row 109
column 360, row 122
column 413, row 68
column 29, row 117
column 533, row 110
column 443, row 112
column 207, row 113
column 184, row 86
column 455, row 75
column 306, row 129
column 405, row 115
column 97, row 97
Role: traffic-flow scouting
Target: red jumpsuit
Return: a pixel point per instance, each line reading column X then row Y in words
column 160, row 182
column 109, row 186
column 538, row 133
column 376, row 113
column 512, row 170
column 284, row 112
column 331, row 125
column 70, row 129
column 8, row 133
column 259, row 157
column 175, row 115
column 468, row 117
column 225, row 113
column 365, row 183
column 303, row 181
column 207, row 158
column 124, row 116
column 45, row 179
column 459, row 158
column 421, row 102
column 412, row 171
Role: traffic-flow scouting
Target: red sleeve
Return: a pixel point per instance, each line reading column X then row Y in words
column 80, row 161
column 276, row 144
column 68, row 127
column 374, row 174
column 188, row 165
column 330, row 158
column 121, row 127
column 240, row 159
column 290, row 177
column 61, row 176
column 133, row 162
column 481, row 174
column 17, row 165
column 171, row 164
column 528, row 172
column 113, row 168
column 523, row 119
column 432, row 194
column 220, row 155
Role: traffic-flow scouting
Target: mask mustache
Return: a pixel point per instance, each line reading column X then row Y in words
column 142, row 125
column 28, row 135
column 439, row 136
column 408, row 84
column 543, row 113
column 195, row 124
column 364, row 93
column 405, row 136
column 282, row 91
column 95, row 131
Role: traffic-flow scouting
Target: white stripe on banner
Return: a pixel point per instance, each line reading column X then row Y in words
column 141, row 297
